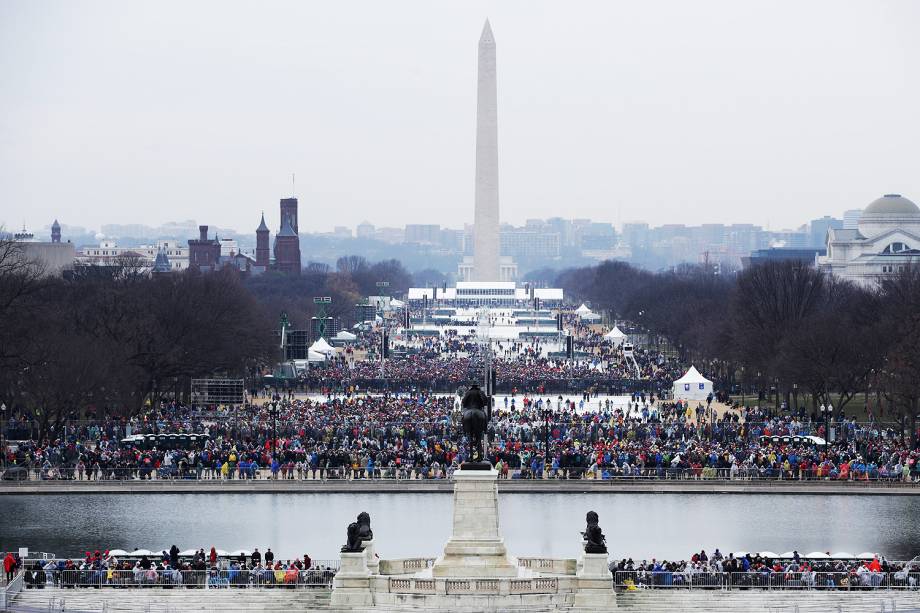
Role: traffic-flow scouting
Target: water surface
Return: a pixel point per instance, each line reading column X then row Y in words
column 669, row 526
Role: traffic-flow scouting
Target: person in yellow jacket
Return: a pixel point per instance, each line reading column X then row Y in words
column 225, row 470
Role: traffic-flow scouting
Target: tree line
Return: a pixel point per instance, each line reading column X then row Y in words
column 114, row 340
column 781, row 327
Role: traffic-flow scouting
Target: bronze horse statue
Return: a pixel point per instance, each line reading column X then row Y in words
column 477, row 411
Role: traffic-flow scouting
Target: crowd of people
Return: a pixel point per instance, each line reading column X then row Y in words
column 445, row 362
column 172, row 569
column 419, row 436
column 752, row 570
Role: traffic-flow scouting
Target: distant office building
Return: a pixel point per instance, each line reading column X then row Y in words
column 819, row 228
column 394, row 236
column 107, row 253
column 524, row 243
column 851, row 219
column 423, row 234
column 886, row 240
column 365, row 230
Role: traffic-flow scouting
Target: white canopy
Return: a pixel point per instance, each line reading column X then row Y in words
column 315, row 356
column 117, row 552
column 240, row 552
column 321, row 346
column 345, row 335
column 188, row 553
column 397, row 304
column 141, row 552
column 817, row 555
column 692, row 386
column 615, row 336
column 583, row 309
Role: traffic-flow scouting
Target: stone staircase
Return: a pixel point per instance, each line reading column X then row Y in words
column 764, row 601
column 158, row 600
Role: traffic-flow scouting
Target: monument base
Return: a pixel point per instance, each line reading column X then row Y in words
column 595, row 583
column 351, row 586
column 475, row 549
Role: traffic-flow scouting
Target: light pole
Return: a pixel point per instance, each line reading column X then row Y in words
column 546, row 460
column 826, row 411
column 742, row 387
column 274, row 413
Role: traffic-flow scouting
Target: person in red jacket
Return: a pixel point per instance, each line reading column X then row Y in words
column 9, row 565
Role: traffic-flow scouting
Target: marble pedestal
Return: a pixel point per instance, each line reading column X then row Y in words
column 595, row 583
column 475, row 549
column 351, row 586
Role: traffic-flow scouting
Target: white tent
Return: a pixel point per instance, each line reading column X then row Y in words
column 582, row 310
column 345, row 335
column 397, row 304
column 321, row 346
column 315, row 356
column 692, row 386
column 615, row 336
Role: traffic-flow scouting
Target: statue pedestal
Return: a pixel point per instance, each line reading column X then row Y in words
column 351, row 586
column 595, row 583
column 475, row 548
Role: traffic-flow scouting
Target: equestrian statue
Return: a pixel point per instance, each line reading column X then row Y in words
column 477, row 411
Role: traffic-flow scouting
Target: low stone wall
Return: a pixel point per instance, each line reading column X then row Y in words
column 549, row 566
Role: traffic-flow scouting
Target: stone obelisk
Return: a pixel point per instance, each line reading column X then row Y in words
column 485, row 223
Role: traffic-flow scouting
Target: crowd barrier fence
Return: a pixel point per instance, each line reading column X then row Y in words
column 202, row 579
column 814, row 580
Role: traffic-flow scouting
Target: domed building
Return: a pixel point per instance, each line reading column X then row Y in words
column 886, row 239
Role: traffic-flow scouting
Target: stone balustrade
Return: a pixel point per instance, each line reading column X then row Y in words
column 405, row 566
column 549, row 566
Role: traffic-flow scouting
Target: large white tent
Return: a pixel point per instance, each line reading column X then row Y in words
column 582, row 310
column 344, row 335
column 321, row 346
column 615, row 336
column 692, row 386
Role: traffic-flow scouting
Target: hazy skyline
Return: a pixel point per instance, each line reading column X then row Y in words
column 668, row 112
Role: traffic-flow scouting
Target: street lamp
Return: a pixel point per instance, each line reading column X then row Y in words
column 546, row 415
column 273, row 411
column 826, row 411
column 742, row 386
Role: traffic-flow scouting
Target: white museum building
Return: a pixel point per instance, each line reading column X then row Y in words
column 885, row 241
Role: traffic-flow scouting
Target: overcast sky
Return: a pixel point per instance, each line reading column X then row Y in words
column 668, row 112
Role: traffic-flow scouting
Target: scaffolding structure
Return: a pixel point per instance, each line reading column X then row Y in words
column 217, row 391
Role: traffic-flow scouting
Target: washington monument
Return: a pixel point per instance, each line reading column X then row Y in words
column 485, row 223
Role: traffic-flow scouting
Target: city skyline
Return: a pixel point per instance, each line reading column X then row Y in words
column 611, row 112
